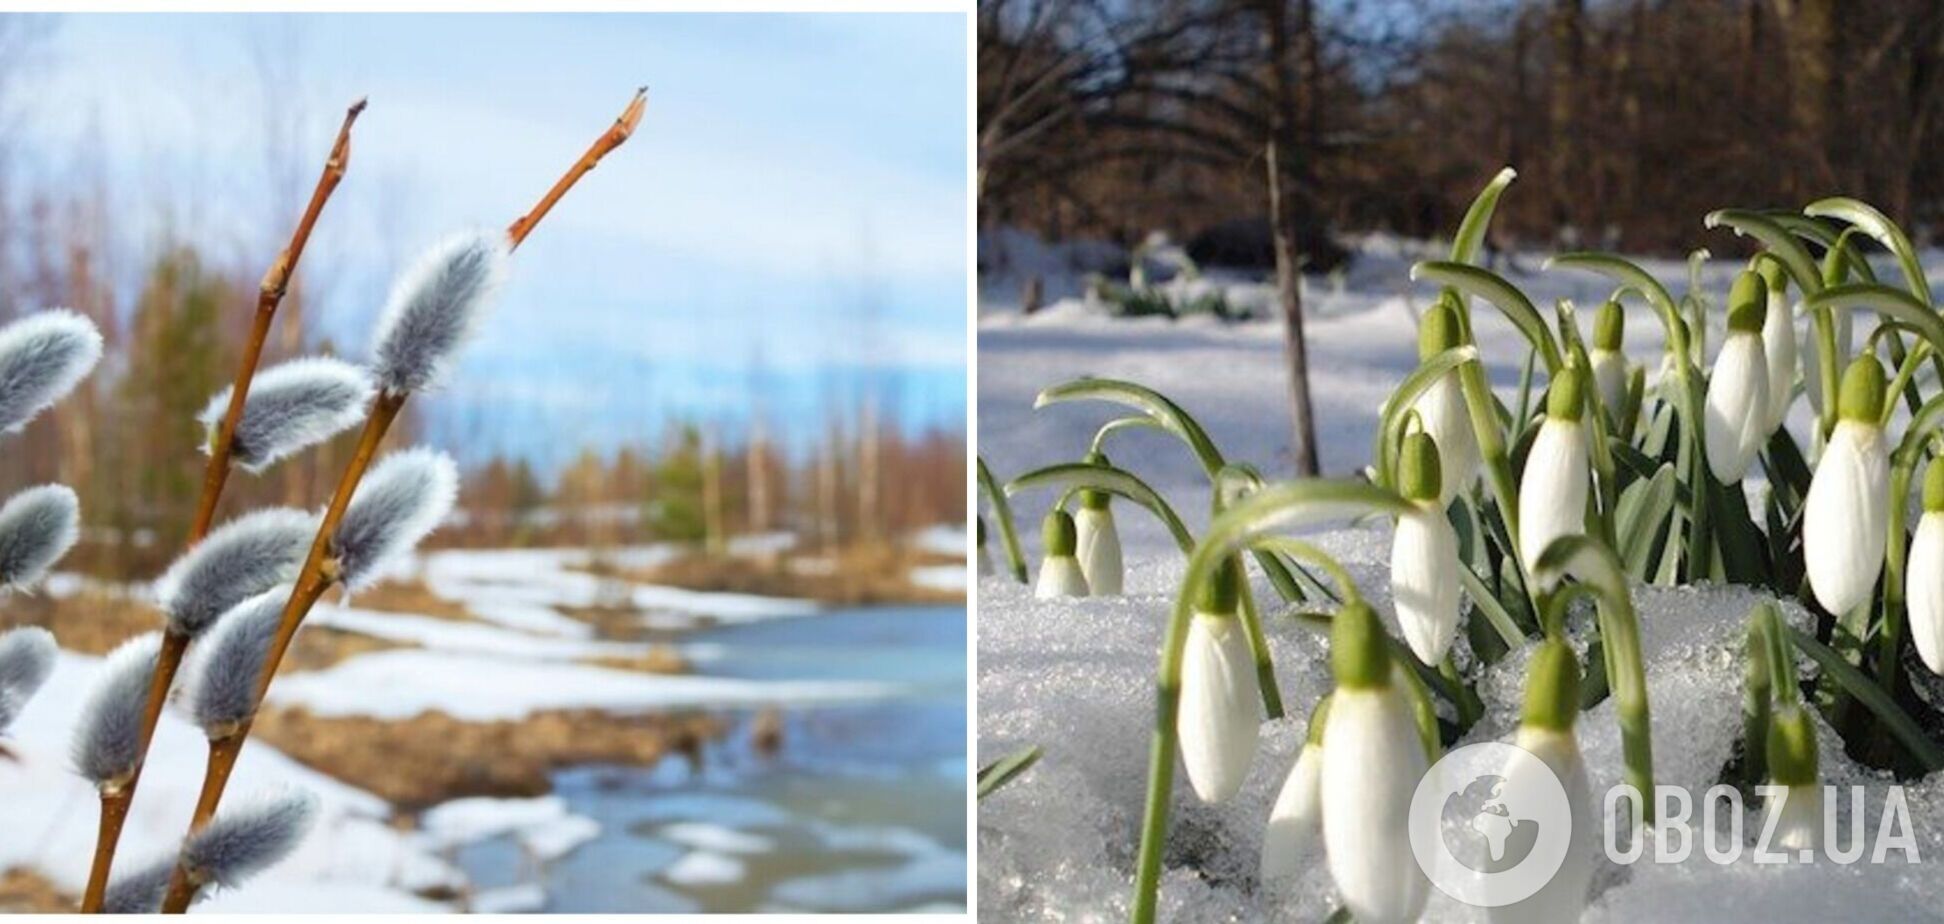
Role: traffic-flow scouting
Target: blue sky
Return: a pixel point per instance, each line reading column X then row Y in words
column 789, row 219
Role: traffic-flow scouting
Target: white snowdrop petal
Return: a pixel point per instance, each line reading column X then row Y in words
column 1799, row 827
column 1099, row 551
column 1442, row 410
column 1564, row 896
column 1844, row 518
column 1372, row 761
column 1424, row 582
column 1219, row 719
column 1296, row 821
column 1552, row 491
column 1924, row 591
column 1060, row 576
column 1737, row 411
column 1610, row 377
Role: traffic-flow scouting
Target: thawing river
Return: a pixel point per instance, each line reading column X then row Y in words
column 861, row 809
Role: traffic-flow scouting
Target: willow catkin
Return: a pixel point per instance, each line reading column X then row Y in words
column 290, row 406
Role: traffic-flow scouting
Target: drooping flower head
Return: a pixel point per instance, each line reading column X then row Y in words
column 1924, row 582
column 37, row 527
column 1219, row 720
column 1736, row 419
column 1424, row 555
column 1060, row 574
column 290, row 406
column 42, row 357
column 1609, row 359
column 434, row 306
column 1552, row 705
column 1296, row 821
column 1441, row 408
column 1792, row 763
column 1553, row 487
column 240, row 559
column 1778, row 343
column 1097, row 539
column 1845, row 516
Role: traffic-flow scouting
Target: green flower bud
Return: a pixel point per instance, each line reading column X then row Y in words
column 1747, row 303
column 1223, row 592
column 1438, row 331
column 1552, row 693
column 1934, row 487
column 1861, row 398
column 1058, row 533
column 1419, row 474
column 1319, row 717
column 1566, row 399
column 1773, row 276
column 1358, row 650
column 1091, row 498
column 1792, row 748
column 1609, row 326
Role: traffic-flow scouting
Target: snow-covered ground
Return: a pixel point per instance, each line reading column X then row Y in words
column 520, row 654
column 1076, row 677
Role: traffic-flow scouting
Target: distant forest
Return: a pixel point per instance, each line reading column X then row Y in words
column 1627, row 120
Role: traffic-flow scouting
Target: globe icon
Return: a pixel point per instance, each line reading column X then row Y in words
column 1481, row 832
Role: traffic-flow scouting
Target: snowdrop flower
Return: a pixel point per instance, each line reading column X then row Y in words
column 1441, row 408
column 1060, row 574
column 107, row 743
column 42, row 357
column 1738, row 409
column 433, row 307
column 1845, row 517
column 249, row 839
column 1924, row 586
column 399, row 502
column 1609, row 359
column 1792, row 765
column 1099, row 544
column 1552, row 489
column 226, row 665
column 1424, row 556
column 240, row 559
column 985, row 555
column 26, row 659
column 1296, row 822
column 37, row 527
column 1552, row 700
column 1778, row 345
column 1219, row 719
column 1372, row 761
column 290, row 406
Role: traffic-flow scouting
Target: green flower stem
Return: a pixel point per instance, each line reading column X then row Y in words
column 1757, row 693
column 1276, row 506
column 1266, row 685
column 1593, row 563
column 1891, row 633
column 1009, row 537
column 1075, row 476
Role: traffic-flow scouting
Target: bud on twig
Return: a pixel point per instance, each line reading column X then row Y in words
column 229, row 661
column 37, row 527
column 434, row 305
column 26, row 659
column 250, row 839
column 402, row 498
column 108, row 738
column 290, row 407
column 42, row 357
column 242, row 558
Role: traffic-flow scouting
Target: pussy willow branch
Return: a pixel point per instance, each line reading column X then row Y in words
column 320, row 569
column 276, row 281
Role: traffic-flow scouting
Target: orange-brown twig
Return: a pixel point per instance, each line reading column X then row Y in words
column 276, row 281
column 320, row 569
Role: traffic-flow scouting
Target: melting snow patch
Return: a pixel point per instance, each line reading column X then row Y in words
column 705, row 836
column 519, row 899
column 704, row 868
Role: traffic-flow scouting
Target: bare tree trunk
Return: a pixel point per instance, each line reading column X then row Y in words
column 1815, row 85
column 867, row 470
column 1568, row 53
column 1285, row 221
column 713, row 534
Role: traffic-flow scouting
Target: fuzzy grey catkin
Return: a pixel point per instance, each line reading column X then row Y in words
column 37, row 527
column 433, row 307
column 108, row 737
column 290, row 406
column 227, row 662
column 42, row 357
column 400, row 500
column 250, row 838
column 26, row 659
column 239, row 560
column 141, row 891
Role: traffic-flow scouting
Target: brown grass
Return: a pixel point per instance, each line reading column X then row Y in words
column 23, row 891
column 94, row 621
column 433, row 757
column 860, row 575
column 411, row 597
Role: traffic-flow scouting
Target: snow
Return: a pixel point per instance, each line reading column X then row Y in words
column 939, row 577
column 705, row 836
column 501, row 579
column 470, row 638
column 403, row 683
column 704, row 868
column 516, row 899
column 1077, row 676
column 353, row 861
